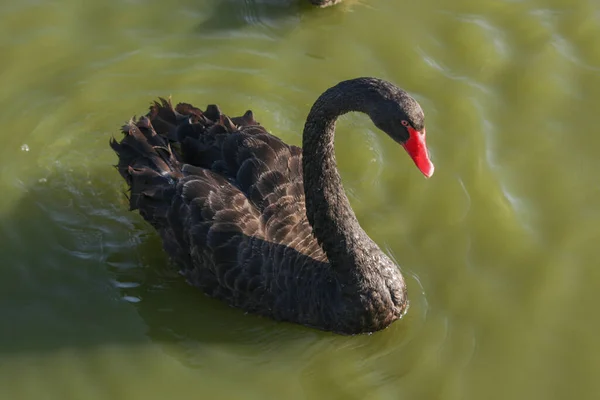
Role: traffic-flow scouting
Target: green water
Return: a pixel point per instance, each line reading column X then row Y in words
column 500, row 248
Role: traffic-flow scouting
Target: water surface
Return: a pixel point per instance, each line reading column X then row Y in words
column 500, row 247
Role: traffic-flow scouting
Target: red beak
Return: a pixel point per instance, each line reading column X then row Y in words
column 417, row 150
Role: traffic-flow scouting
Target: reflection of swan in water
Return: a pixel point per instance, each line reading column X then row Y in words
column 265, row 226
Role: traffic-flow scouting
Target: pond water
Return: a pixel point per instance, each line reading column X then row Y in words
column 499, row 248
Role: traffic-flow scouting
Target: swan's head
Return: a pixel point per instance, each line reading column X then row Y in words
column 401, row 117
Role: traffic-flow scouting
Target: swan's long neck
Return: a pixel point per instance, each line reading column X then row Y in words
column 327, row 207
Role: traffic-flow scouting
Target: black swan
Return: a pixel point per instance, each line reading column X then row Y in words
column 266, row 226
column 324, row 3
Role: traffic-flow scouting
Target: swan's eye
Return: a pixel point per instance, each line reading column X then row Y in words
column 405, row 122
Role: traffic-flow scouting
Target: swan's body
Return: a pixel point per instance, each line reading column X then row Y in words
column 253, row 222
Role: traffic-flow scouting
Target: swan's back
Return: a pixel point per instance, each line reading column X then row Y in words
column 227, row 198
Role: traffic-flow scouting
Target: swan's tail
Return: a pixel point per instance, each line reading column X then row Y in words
column 155, row 147
column 150, row 168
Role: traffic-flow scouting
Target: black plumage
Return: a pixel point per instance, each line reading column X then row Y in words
column 262, row 225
